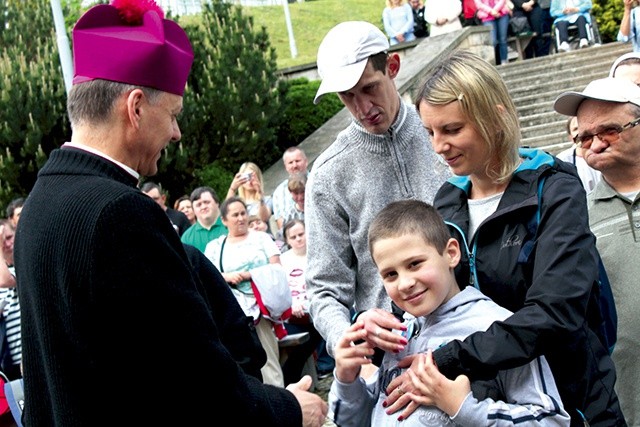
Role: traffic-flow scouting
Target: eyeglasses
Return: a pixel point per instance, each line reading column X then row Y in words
column 608, row 135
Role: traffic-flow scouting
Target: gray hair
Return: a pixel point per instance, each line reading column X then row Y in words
column 93, row 101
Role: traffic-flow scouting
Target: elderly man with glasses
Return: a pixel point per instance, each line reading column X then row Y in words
column 608, row 112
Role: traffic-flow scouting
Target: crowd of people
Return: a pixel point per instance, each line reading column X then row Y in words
column 538, row 19
column 429, row 296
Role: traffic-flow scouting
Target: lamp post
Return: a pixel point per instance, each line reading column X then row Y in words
column 63, row 44
column 292, row 40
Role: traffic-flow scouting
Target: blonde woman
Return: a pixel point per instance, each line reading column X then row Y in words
column 549, row 280
column 249, row 186
column 398, row 21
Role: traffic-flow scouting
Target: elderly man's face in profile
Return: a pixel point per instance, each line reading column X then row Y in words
column 158, row 128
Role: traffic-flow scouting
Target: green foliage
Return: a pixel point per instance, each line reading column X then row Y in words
column 216, row 177
column 300, row 116
column 231, row 105
column 32, row 95
column 608, row 14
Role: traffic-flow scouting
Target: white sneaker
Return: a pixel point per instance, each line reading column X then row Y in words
column 584, row 43
column 564, row 46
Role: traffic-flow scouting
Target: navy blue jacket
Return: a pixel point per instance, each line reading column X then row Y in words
column 549, row 281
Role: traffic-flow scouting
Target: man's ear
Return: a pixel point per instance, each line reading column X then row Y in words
column 134, row 105
column 393, row 65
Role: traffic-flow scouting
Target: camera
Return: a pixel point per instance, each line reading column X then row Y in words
column 247, row 175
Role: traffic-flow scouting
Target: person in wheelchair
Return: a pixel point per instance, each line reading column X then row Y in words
column 567, row 13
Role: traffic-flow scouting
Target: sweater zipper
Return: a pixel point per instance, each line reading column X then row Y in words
column 400, row 165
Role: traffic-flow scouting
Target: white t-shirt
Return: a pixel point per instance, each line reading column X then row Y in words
column 295, row 267
column 480, row 209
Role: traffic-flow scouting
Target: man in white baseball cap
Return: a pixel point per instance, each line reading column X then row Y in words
column 608, row 112
column 382, row 156
column 627, row 66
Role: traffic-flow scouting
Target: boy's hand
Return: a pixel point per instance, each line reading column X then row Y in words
column 350, row 356
column 436, row 389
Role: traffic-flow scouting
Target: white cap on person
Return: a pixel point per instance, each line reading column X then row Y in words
column 343, row 55
column 608, row 89
column 626, row 56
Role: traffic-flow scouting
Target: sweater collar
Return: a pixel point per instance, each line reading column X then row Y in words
column 379, row 143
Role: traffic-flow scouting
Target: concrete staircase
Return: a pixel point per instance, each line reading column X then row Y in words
column 535, row 83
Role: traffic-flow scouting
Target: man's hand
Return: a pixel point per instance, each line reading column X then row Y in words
column 350, row 356
column 436, row 389
column 378, row 325
column 314, row 409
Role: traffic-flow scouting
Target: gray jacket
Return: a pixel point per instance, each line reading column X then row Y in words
column 525, row 396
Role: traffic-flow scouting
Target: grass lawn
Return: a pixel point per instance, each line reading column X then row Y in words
column 310, row 21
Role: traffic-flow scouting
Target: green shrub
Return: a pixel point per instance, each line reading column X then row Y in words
column 32, row 95
column 231, row 105
column 301, row 117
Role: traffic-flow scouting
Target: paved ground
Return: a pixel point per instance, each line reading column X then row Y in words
column 322, row 390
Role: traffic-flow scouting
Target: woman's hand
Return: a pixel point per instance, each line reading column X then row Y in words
column 378, row 324
column 236, row 277
column 238, row 180
column 297, row 310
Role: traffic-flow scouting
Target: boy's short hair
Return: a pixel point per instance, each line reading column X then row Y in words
column 253, row 218
column 297, row 183
column 409, row 217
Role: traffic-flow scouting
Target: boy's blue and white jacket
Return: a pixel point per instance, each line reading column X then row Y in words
column 526, row 395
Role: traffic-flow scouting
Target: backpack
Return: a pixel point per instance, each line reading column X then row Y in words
column 607, row 327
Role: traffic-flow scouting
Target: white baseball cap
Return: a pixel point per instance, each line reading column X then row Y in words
column 343, row 55
column 621, row 58
column 608, row 89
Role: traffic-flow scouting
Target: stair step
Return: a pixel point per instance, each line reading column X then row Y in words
column 534, row 84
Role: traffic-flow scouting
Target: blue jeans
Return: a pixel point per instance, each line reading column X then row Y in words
column 499, row 29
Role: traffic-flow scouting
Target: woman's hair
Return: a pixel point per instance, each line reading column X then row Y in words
column 394, row 3
column 466, row 78
column 93, row 101
column 176, row 204
column 409, row 217
column 288, row 226
column 224, row 207
column 250, row 167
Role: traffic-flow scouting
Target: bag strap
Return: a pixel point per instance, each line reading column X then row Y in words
column 222, row 249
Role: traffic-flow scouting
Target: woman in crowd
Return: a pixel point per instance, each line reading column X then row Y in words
column 294, row 262
column 248, row 184
column 235, row 255
column 547, row 275
column 397, row 18
column 443, row 16
column 11, row 337
column 183, row 204
column 495, row 14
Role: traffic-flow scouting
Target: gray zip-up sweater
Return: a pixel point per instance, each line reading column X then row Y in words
column 524, row 396
column 359, row 174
